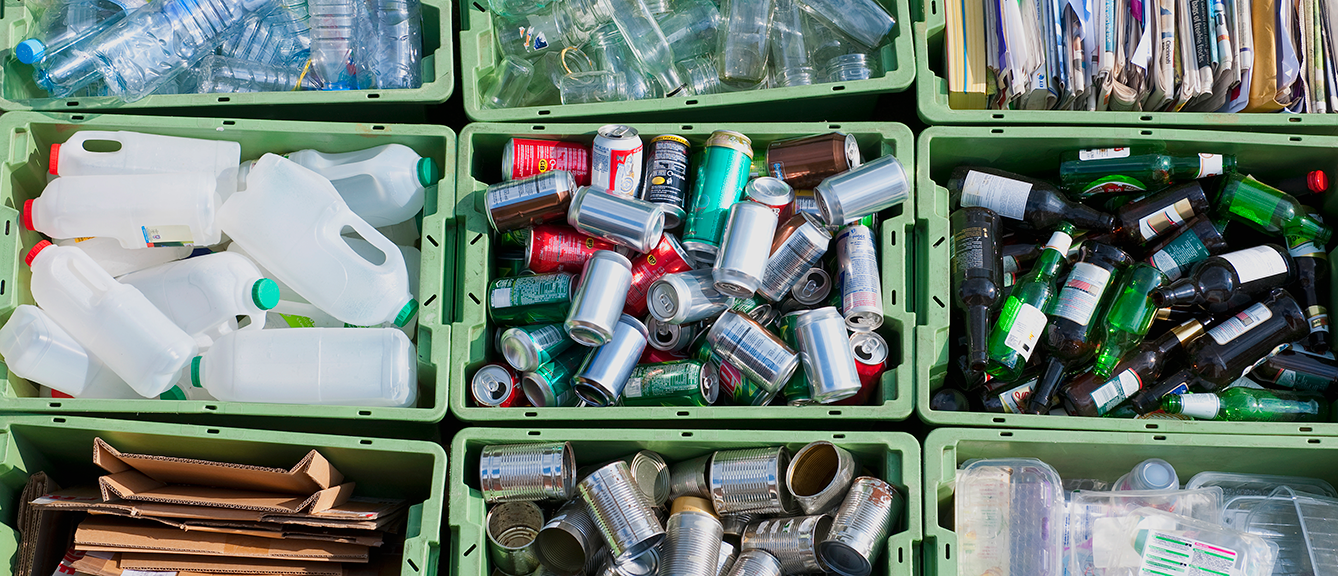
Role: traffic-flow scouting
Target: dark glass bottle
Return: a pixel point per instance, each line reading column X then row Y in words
column 1034, row 204
column 1197, row 241
column 949, row 400
column 1298, row 371
column 1148, row 400
column 1238, row 341
column 1093, row 395
column 1159, row 214
column 1130, row 170
column 1009, row 397
column 1250, row 405
column 1070, row 337
column 1022, row 318
column 1242, row 274
column 1268, row 209
column 1016, row 257
column 1312, row 283
column 976, row 277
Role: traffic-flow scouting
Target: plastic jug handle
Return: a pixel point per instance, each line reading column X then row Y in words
column 373, row 237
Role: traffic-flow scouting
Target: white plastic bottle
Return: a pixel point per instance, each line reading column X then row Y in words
column 106, row 153
column 118, row 261
column 113, row 321
column 332, row 366
column 290, row 220
column 206, row 296
column 384, row 185
column 35, row 348
column 139, row 210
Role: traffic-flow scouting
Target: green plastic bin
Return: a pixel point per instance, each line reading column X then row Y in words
column 27, row 138
column 480, row 165
column 892, row 456
column 63, row 448
column 19, row 92
column 1102, row 456
column 931, row 99
column 1035, row 150
column 839, row 101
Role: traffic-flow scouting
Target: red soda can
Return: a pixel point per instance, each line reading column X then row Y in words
column 870, row 351
column 557, row 248
column 773, row 193
column 668, row 257
column 496, row 386
column 524, row 157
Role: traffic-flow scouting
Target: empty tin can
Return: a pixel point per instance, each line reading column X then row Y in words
column 512, row 527
column 754, row 350
column 599, row 298
column 668, row 257
column 755, row 563
column 798, row 246
column 861, row 285
column 793, row 541
column 527, row 472
column 647, row 564
column 824, row 346
column 560, row 248
column 651, row 475
column 728, row 553
column 813, row 287
column 735, row 524
column 569, row 543
column 528, row 347
column 772, row 193
column 688, row 478
column 495, row 386
column 667, row 177
column 529, row 201
column 538, row 299
column 751, row 480
column 629, row 525
column 719, row 182
column 692, row 539
column 678, row 383
column 616, row 160
column 806, row 162
column 861, row 527
column 624, row 221
column 601, row 379
column 819, row 476
column 686, row 297
column 525, row 157
column 865, row 190
column 744, row 249
column 551, row 385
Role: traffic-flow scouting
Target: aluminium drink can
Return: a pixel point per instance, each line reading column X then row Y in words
column 744, row 249
column 529, row 201
column 598, row 303
column 527, row 347
column 536, row 299
column 798, row 246
column 669, row 337
column 813, row 287
column 525, row 157
column 680, row 383
column 496, row 386
column 797, row 391
column 616, row 160
column 667, row 177
column 824, row 346
column 870, row 351
column 772, row 193
column 668, row 257
column 558, row 248
column 755, row 351
column 861, row 285
column 551, row 385
column 719, row 182
column 686, row 297
column 806, row 162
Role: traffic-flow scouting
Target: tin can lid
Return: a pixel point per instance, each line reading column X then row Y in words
column 663, row 297
column 492, row 385
column 853, row 159
column 710, row 383
column 769, row 191
column 518, row 350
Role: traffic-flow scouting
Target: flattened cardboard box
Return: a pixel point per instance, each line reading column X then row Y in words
column 109, row 564
column 354, row 514
column 110, row 534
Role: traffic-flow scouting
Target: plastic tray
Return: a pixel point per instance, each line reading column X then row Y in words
column 479, row 166
column 28, row 137
column 19, row 92
column 63, row 448
column 1035, row 150
column 840, row 101
column 894, row 457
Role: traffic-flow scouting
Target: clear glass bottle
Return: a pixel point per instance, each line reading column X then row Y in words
column 597, row 86
column 506, row 86
column 789, row 51
column 611, row 52
column 691, row 29
column 743, row 46
column 702, row 76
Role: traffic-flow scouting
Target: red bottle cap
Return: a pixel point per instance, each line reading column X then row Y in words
column 43, row 245
column 27, row 215
column 54, row 166
column 1317, row 181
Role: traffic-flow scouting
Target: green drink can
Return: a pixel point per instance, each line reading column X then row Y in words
column 720, row 179
column 538, row 299
column 528, row 347
column 681, row 383
column 551, row 385
column 797, row 392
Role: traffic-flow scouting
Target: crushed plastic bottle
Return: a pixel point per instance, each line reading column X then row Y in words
column 220, row 74
column 396, row 56
column 333, row 24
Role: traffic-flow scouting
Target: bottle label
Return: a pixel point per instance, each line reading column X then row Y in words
column 1209, row 165
column 1308, row 249
column 1116, row 390
column 1166, row 219
column 296, row 321
column 1059, row 242
column 1115, row 184
column 1179, row 253
column 1299, row 381
column 1254, row 263
column 1082, row 292
column 968, row 249
column 1200, row 406
column 1243, row 322
column 171, row 235
column 1006, row 196
column 1009, row 265
column 1026, row 330
column 1102, row 154
column 1318, row 316
column 1015, row 399
column 1172, row 555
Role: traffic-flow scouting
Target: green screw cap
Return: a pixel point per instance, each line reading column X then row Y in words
column 265, row 293
column 176, row 393
column 407, row 313
column 427, row 172
column 195, row 371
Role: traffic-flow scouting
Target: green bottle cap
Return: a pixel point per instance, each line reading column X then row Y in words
column 407, row 313
column 195, row 371
column 427, row 172
column 176, row 393
column 265, row 293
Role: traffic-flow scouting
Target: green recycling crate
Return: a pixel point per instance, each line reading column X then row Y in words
column 891, row 456
column 931, row 97
column 28, row 137
column 479, row 166
column 63, row 448
column 1102, row 456
column 19, row 92
column 479, row 55
column 1035, row 150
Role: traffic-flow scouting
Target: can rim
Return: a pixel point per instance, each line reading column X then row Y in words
column 877, row 356
column 475, row 384
column 709, row 384
column 671, row 138
column 769, row 191
column 617, row 132
column 853, row 156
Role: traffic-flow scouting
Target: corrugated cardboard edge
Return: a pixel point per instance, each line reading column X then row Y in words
column 314, row 470
column 121, row 535
column 217, row 565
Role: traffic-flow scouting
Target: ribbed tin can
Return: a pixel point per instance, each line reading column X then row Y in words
column 527, row 472
column 651, row 474
column 755, row 563
column 569, row 543
column 628, row 524
column 750, row 480
column 728, row 554
column 793, row 541
column 647, row 564
column 692, row 543
column 688, row 478
column 861, row 527
column 819, row 476
column 512, row 527
column 735, row 524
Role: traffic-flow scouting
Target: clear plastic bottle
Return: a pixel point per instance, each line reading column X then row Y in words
column 113, row 321
column 396, row 58
column 207, row 296
column 139, row 210
column 333, row 38
column 269, row 39
column 65, row 22
column 374, row 367
column 35, row 348
column 223, row 75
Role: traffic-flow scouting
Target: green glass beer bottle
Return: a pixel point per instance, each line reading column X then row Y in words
column 1250, row 405
column 1268, row 209
column 1128, row 318
column 1022, row 318
column 1086, row 173
column 1093, row 395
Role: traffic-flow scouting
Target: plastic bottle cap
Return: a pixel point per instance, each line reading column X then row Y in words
column 427, row 172
column 54, row 164
column 176, row 393
column 1317, row 181
column 30, row 51
column 407, row 313
column 1157, row 474
column 195, row 371
column 43, row 245
column 27, row 216
column 265, row 293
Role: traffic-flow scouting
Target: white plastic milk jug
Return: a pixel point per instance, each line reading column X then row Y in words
column 333, row 366
column 35, row 348
column 139, row 210
column 118, row 261
column 106, row 153
column 113, row 321
column 290, row 221
column 206, row 295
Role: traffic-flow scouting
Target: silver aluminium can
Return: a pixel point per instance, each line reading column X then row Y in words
column 628, row 222
column 772, row 192
column 629, row 526
column 669, row 337
column 819, row 476
column 865, row 190
column 812, row 287
column 794, row 256
column 750, row 480
column 829, row 364
column 569, row 543
column 869, row 348
column 615, row 161
column 599, row 299
column 744, row 249
column 686, row 297
column 754, row 350
column 793, row 541
column 493, row 385
column 756, row 563
column 512, row 527
column 601, row 379
column 861, row 285
column 861, row 526
column 688, row 478
column 527, row 472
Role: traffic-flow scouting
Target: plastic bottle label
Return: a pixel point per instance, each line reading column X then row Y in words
column 1102, row 154
column 1026, row 330
column 1254, row 263
column 1082, row 292
column 1233, row 327
column 296, row 321
column 1006, row 196
column 1167, row 218
column 1165, row 554
column 1179, row 253
column 1116, row 390
column 1209, row 165
column 172, row 235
